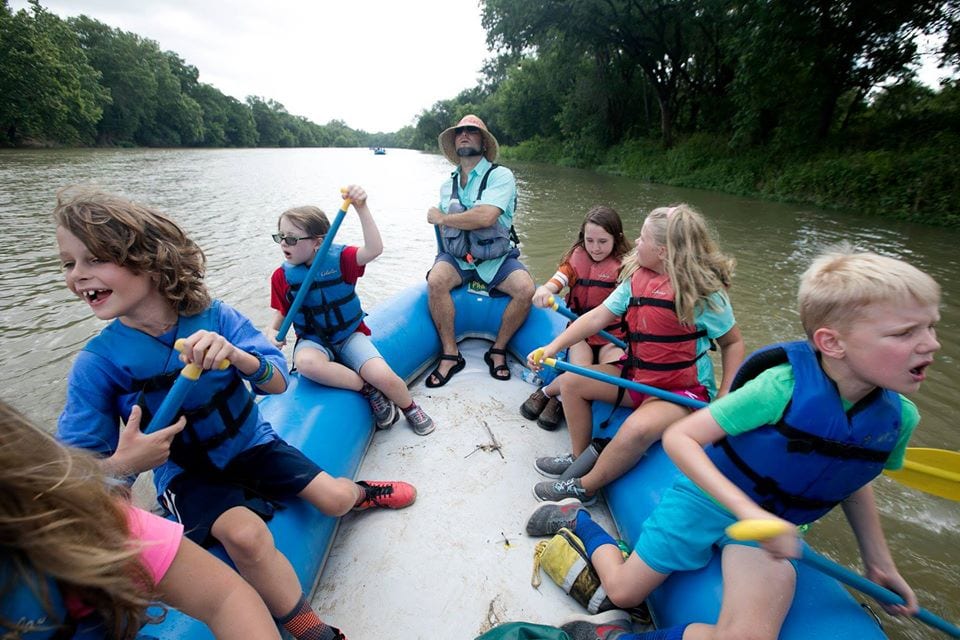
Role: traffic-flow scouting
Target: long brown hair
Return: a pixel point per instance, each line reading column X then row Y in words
column 138, row 238
column 60, row 518
column 609, row 220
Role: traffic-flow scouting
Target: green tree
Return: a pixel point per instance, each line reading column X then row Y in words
column 48, row 91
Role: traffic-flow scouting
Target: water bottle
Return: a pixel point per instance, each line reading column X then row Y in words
column 455, row 206
column 530, row 376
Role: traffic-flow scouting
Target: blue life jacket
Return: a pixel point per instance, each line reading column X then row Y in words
column 817, row 454
column 22, row 614
column 331, row 312
column 218, row 408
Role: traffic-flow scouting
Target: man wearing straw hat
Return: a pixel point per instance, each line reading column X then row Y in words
column 474, row 225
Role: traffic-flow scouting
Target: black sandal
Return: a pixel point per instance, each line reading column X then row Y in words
column 443, row 379
column 495, row 369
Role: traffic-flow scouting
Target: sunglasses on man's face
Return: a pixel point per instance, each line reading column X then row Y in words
column 467, row 129
column 290, row 241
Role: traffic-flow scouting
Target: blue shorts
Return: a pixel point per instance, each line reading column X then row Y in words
column 254, row 479
column 510, row 264
column 354, row 352
column 684, row 530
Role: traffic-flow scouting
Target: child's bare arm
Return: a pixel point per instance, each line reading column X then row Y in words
column 202, row 586
column 684, row 442
column 732, row 351
column 861, row 512
column 274, row 327
column 372, row 242
column 585, row 326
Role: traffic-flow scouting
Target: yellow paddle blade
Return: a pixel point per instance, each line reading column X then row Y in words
column 934, row 471
column 756, row 529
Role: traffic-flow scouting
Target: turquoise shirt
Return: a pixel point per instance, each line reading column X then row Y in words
column 500, row 192
column 715, row 318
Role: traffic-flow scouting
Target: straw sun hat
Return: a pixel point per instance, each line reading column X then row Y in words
column 448, row 143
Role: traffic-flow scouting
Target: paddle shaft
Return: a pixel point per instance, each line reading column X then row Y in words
column 567, row 313
column 318, row 259
column 872, row 589
column 171, row 404
column 626, row 384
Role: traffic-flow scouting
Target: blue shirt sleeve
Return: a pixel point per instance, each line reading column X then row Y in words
column 90, row 418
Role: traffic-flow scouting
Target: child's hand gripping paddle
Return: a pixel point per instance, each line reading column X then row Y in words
column 314, row 269
column 171, row 404
column 765, row 529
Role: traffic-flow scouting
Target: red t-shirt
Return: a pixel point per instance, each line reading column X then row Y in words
column 349, row 268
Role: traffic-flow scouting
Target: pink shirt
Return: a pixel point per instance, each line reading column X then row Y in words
column 159, row 539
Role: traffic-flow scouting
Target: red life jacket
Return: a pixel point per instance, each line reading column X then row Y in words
column 662, row 352
column 595, row 281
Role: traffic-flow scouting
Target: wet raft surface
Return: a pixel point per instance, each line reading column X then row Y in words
column 457, row 561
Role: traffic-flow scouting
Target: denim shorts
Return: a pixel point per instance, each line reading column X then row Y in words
column 510, row 264
column 354, row 352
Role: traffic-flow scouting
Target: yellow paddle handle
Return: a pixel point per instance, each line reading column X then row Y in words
column 187, row 371
column 538, row 358
column 346, row 201
column 552, row 303
column 757, row 529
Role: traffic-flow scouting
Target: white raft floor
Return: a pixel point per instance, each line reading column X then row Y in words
column 458, row 561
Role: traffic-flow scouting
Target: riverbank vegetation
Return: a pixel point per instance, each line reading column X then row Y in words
column 812, row 101
column 81, row 82
column 805, row 101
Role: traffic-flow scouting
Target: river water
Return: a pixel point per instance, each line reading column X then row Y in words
column 229, row 201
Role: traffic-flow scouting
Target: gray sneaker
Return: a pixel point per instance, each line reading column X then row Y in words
column 422, row 423
column 608, row 625
column 553, row 466
column 550, row 517
column 384, row 411
column 558, row 490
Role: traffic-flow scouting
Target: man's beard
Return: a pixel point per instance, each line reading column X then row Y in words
column 467, row 152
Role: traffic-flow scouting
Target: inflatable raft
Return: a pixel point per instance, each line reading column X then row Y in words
column 334, row 427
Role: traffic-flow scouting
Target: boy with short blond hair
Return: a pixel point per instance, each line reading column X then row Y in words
column 870, row 323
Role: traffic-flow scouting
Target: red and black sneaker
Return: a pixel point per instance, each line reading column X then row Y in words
column 392, row 494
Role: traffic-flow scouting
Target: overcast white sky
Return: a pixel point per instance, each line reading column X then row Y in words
column 375, row 64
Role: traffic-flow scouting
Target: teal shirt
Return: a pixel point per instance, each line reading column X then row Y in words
column 716, row 318
column 500, row 192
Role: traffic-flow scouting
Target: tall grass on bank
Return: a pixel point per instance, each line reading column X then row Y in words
column 921, row 184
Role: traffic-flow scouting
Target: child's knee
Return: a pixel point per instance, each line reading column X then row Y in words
column 246, row 540
column 310, row 359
